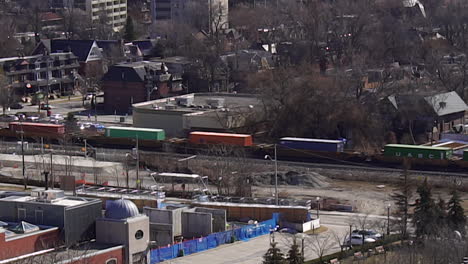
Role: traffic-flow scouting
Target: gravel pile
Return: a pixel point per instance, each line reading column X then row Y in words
column 311, row 179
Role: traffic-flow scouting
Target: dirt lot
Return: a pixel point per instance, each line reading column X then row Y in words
column 368, row 194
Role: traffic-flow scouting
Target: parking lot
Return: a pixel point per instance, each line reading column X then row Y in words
column 252, row 251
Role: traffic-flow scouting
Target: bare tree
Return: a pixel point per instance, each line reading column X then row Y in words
column 321, row 244
column 7, row 92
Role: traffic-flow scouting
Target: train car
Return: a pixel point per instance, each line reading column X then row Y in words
column 135, row 132
column 312, row 144
column 37, row 128
column 220, row 138
column 420, row 152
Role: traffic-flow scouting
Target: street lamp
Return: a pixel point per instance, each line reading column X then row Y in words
column 318, row 206
column 272, row 234
column 276, row 174
column 388, row 219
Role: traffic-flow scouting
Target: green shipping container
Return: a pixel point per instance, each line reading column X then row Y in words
column 465, row 155
column 135, row 132
column 421, row 152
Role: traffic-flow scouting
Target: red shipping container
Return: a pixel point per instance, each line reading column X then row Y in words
column 38, row 128
column 220, row 138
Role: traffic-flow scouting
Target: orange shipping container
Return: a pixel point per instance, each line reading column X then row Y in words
column 220, row 138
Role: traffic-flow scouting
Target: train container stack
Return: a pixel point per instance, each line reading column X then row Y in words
column 420, row 152
column 312, row 144
column 135, row 132
column 37, row 128
column 220, row 138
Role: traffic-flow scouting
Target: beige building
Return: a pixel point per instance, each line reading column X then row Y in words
column 116, row 10
column 221, row 112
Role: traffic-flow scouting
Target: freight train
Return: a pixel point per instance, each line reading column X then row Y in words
column 288, row 148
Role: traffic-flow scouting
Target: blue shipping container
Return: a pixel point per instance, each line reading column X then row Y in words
column 313, row 144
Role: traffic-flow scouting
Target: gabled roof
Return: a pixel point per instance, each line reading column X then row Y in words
column 436, row 105
column 145, row 46
column 446, row 103
column 81, row 48
column 130, row 72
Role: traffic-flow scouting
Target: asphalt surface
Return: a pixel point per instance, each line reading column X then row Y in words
column 252, row 251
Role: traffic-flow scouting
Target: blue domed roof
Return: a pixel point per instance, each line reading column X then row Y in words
column 120, row 209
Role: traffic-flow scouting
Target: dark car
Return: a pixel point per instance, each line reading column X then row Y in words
column 16, row 106
column 46, row 107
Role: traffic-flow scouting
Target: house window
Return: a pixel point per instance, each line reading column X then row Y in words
column 21, row 214
column 111, row 261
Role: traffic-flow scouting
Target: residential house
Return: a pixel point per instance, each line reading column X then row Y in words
column 53, row 73
column 134, row 82
column 88, row 52
column 426, row 116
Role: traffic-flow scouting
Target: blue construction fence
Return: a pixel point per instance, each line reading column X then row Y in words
column 188, row 247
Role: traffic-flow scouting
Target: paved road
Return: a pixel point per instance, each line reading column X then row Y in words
column 252, row 251
column 63, row 106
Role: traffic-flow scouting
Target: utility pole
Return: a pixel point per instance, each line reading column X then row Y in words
column 22, row 158
column 276, row 174
column 51, row 171
column 85, row 149
column 137, row 164
column 276, row 178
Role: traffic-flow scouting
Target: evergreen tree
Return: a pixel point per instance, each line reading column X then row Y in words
column 402, row 196
column 456, row 218
column 294, row 255
column 273, row 255
column 441, row 211
column 425, row 214
column 129, row 30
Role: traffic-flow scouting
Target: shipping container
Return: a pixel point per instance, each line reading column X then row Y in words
column 421, row 152
column 220, row 138
column 39, row 128
column 135, row 132
column 465, row 155
column 312, row 144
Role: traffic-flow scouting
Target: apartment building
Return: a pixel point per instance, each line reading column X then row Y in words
column 198, row 13
column 55, row 72
column 116, row 10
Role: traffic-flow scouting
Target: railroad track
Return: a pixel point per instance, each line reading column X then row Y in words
column 112, row 154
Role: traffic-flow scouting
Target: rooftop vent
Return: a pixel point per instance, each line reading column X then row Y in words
column 215, row 102
column 184, row 101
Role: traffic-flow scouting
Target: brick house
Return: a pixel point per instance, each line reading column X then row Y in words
column 128, row 83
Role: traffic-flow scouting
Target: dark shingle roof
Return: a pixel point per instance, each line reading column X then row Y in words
column 80, row 48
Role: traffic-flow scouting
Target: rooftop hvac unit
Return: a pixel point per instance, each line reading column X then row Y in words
column 215, row 102
column 184, row 101
column 54, row 194
column 170, row 106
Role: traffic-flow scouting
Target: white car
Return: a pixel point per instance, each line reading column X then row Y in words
column 369, row 234
column 356, row 240
column 57, row 117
